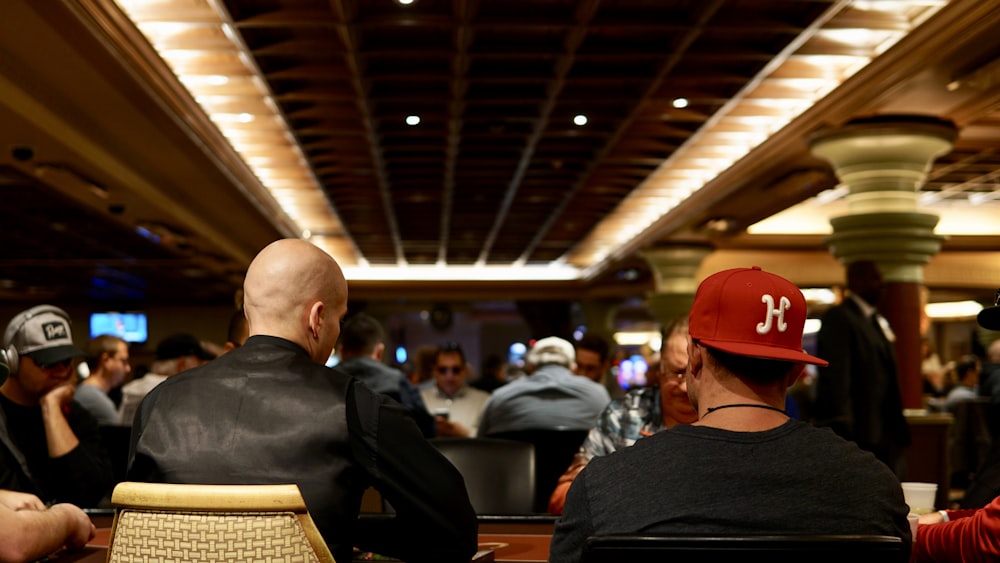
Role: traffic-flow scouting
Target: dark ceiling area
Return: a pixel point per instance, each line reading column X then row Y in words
column 116, row 187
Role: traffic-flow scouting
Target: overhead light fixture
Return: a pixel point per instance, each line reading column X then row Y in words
column 649, row 338
column 810, row 67
column 953, row 310
column 413, row 120
column 198, row 42
column 820, row 295
column 680, row 103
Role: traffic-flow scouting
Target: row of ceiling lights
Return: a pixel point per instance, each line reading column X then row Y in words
column 794, row 80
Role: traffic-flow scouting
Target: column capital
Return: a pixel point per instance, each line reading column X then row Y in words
column 674, row 266
column 674, row 269
column 901, row 243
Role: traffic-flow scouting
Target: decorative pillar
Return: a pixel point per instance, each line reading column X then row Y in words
column 883, row 161
column 674, row 268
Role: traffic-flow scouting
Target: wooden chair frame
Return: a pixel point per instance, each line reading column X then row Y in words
column 218, row 499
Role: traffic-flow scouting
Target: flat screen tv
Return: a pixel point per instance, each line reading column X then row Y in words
column 130, row 327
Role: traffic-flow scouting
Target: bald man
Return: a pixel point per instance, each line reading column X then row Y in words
column 270, row 412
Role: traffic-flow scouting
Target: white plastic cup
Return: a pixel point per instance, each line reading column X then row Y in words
column 914, row 520
column 920, row 496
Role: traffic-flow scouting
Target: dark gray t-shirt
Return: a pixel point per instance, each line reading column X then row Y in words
column 795, row 478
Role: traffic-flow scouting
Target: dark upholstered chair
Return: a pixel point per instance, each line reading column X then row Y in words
column 116, row 441
column 554, row 450
column 745, row 549
column 499, row 474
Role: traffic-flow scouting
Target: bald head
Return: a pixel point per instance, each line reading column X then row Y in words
column 296, row 291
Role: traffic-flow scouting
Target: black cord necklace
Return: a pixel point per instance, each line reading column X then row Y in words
column 710, row 410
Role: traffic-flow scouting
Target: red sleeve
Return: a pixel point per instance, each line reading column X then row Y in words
column 965, row 540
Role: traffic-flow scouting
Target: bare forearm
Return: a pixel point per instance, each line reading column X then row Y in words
column 58, row 435
column 32, row 534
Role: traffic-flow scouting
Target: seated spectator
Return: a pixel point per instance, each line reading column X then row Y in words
column 551, row 396
column 967, row 374
column 107, row 360
column 643, row 411
column 989, row 379
column 174, row 354
column 593, row 360
column 934, row 374
column 271, row 412
column 962, row 536
column 51, row 446
column 959, row 536
column 29, row 531
column 362, row 343
column 456, row 406
column 592, row 357
column 744, row 467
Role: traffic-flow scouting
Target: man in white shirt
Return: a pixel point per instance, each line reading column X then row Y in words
column 455, row 405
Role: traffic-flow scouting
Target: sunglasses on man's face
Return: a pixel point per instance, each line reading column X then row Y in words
column 445, row 370
column 62, row 364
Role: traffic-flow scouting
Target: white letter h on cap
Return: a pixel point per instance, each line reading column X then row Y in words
column 783, row 305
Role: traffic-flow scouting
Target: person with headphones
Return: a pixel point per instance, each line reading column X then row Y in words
column 50, row 446
column 30, row 531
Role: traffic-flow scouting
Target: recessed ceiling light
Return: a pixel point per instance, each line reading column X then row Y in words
column 580, row 119
column 680, row 103
column 406, row 2
column 412, row 119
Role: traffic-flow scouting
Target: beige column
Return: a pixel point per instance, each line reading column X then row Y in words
column 883, row 161
column 674, row 268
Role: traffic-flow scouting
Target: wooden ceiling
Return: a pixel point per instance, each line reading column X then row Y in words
column 115, row 187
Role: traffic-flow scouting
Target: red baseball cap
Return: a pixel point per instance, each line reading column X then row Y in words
column 750, row 312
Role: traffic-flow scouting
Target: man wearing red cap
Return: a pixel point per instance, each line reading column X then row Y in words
column 744, row 467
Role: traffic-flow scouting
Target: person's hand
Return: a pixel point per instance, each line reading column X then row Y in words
column 59, row 397
column 81, row 529
column 930, row 518
column 448, row 427
column 20, row 501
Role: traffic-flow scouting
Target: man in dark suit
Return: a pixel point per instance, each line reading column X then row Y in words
column 858, row 395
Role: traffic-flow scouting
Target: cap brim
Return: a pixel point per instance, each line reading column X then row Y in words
column 55, row 354
column 764, row 352
column 989, row 318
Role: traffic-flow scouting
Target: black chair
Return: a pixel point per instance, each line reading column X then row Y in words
column 116, row 440
column 970, row 437
column 745, row 549
column 554, row 450
column 499, row 474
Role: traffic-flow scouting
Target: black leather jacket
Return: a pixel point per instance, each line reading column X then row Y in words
column 266, row 413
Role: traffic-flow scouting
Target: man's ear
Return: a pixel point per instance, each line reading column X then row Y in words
column 315, row 319
column 377, row 352
column 696, row 358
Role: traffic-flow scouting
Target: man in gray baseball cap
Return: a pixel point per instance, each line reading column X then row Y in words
column 50, row 446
